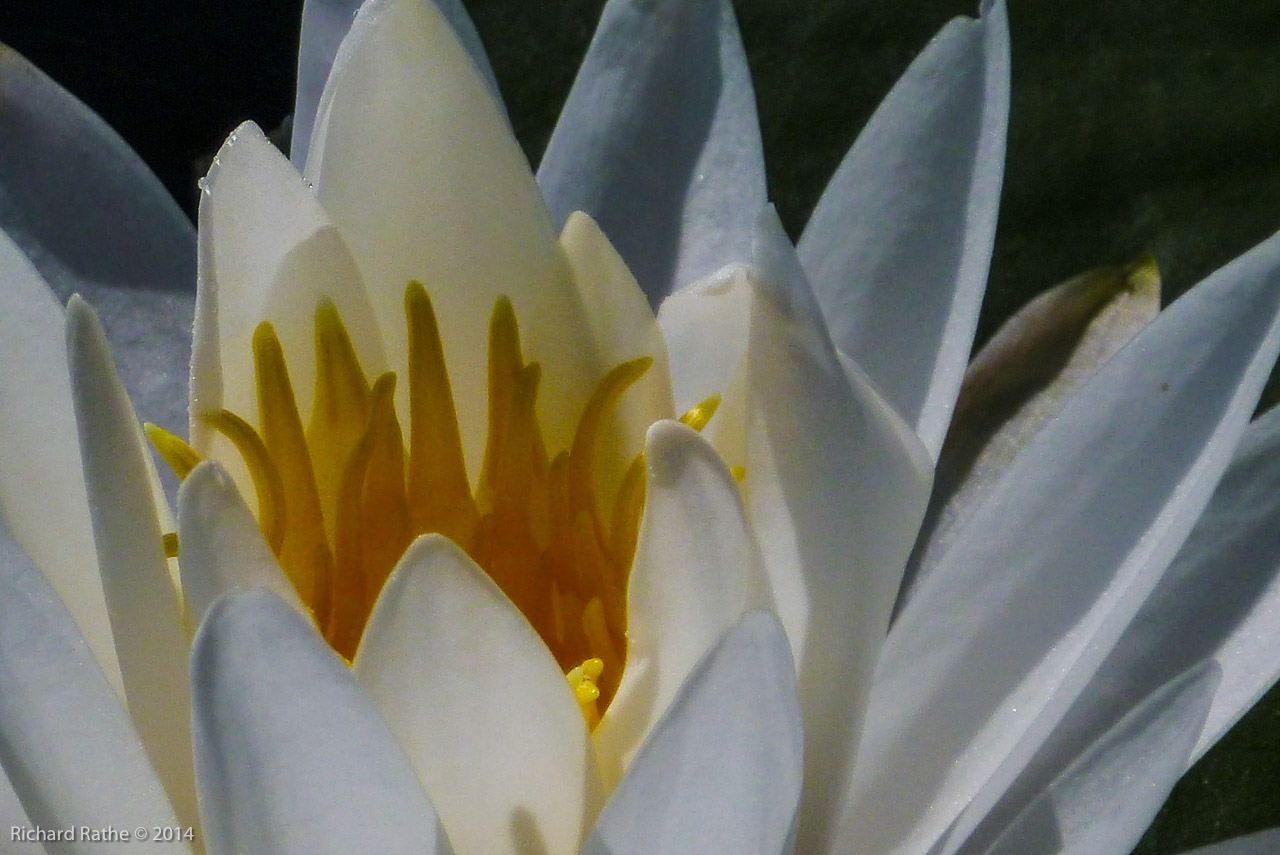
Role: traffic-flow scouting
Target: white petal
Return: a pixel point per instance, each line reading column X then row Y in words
column 696, row 571
column 292, row 756
column 899, row 245
column 1262, row 843
column 268, row 252
column 480, row 707
column 721, row 774
column 996, row 644
column 1104, row 802
column 417, row 166
column 222, row 547
column 42, row 494
column 1020, row 380
column 144, row 608
column 659, row 141
column 324, row 24
column 65, row 742
column 836, row 486
column 12, row 815
column 94, row 220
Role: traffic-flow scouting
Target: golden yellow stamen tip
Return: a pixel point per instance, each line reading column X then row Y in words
column 739, row 473
column 582, row 680
column 698, row 416
column 181, row 457
column 170, row 541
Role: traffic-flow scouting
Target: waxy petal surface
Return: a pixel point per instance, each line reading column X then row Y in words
column 480, row 708
column 899, row 245
column 275, row 707
column 659, row 141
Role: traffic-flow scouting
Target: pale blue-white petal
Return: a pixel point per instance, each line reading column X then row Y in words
column 12, row 815
column 659, row 141
column 900, row 242
column 1104, row 801
column 324, row 24
column 721, row 773
column 142, row 601
column 94, row 220
column 65, row 741
column 1262, row 843
column 293, row 759
column 1000, row 639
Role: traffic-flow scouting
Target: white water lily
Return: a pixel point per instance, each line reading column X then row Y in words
column 1014, row 706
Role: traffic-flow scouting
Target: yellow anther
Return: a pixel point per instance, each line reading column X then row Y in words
column 583, row 680
column 698, row 417
column 505, row 364
column 341, row 407
column 262, row 469
column 739, row 473
column 170, row 541
column 181, row 457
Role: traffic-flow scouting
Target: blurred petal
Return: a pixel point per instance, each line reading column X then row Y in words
column 1262, row 843
column 324, row 24
column 94, row 220
column 42, row 494
column 12, row 815
column 1105, row 800
column 274, row 706
column 1020, row 380
column 993, row 648
column 440, row 192
column 145, row 612
column 659, row 141
column 267, row 252
column 696, row 570
column 222, row 546
column 721, row 773
column 900, row 242
column 480, row 707
column 65, row 742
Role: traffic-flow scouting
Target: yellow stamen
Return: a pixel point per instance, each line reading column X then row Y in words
column 181, row 457
column 698, row 417
column 582, row 680
column 170, row 541
column 262, row 469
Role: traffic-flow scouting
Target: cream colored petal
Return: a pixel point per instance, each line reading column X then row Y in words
column 267, row 251
column 222, row 547
column 416, row 164
column 480, row 707
column 697, row 569
column 144, row 607
column 42, row 495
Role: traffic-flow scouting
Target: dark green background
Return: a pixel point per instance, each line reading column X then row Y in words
column 1135, row 126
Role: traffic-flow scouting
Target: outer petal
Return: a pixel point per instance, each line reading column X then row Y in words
column 274, row 707
column 65, row 743
column 41, row 479
column 993, row 648
column 145, row 612
column 721, row 773
column 324, row 24
column 93, row 219
column 480, row 707
column 1262, row 843
column 12, row 815
column 440, row 192
column 1103, row 803
column 899, row 245
column 659, row 141
column 697, row 569
column 267, row 252
column 222, row 547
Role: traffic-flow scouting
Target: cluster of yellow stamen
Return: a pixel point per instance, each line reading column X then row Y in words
column 340, row 501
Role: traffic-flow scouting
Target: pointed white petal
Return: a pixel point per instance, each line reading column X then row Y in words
column 146, row 616
column 40, row 467
column 659, row 141
column 1020, row 380
column 836, row 486
column 324, row 24
column 696, row 570
column 480, row 707
column 721, row 774
column 418, row 167
column 65, row 742
column 293, row 759
column 268, row 252
column 1262, row 843
column 1105, row 800
column 222, row 547
column 899, row 245
column 1001, row 638
column 94, row 220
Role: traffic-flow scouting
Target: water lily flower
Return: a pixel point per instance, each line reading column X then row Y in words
column 604, row 580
